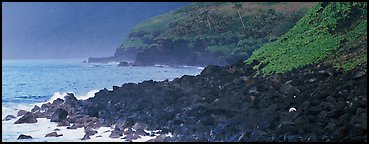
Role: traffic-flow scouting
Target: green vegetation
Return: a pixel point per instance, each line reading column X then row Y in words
column 231, row 29
column 327, row 33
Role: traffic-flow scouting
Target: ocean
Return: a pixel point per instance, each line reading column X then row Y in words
column 26, row 83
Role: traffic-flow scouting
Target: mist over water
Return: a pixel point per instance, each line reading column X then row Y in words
column 71, row 30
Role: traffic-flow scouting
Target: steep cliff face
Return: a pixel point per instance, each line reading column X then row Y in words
column 210, row 33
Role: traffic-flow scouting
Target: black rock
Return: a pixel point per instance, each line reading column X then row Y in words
column 70, row 99
column 21, row 112
column 9, row 117
column 123, row 64
column 36, row 108
column 63, row 123
column 53, row 134
column 22, row 136
column 39, row 114
column 59, row 115
column 86, row 137
column 359, row 74
column 289, row 90
column 27, row 118
column 115, row 134
column 57, row 102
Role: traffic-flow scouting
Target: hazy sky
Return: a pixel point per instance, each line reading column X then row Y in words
column 71, row 30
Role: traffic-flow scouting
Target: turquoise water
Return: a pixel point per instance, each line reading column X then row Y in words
column 27, row 82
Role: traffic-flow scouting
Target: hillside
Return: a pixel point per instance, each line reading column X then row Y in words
column 209, row 32
column 334, row 34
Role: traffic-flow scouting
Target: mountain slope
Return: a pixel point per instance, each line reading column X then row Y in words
column 333, row 33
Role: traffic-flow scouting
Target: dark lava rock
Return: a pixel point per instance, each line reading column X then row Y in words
column 63, row 123
column 129, row 122
column 27, row 118
column 39, row 114
column 22, row 136
column 70, row 99
column 57, row 102
column 21, row 112
column 359, row 74
column 115, row 134
column 36, row 108
column 289, row 90
column 9, row 117
column 86, row 137
column 131, row 137
column 210, row 69
column 53, row 134
column 90, row 131
column 123, row 64
column 59, row 115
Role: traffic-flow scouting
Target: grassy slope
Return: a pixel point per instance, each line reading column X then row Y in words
column 263, row 22
column 334, row 33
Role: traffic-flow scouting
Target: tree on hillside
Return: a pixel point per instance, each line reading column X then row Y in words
column 238, row 7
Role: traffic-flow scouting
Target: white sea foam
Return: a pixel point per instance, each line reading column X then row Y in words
column 44, row 126
column 88, row 95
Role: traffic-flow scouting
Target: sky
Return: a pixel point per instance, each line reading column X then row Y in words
column 44, row 30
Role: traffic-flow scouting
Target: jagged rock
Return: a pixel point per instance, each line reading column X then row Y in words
column 289, row 90
column 59, row 115
column 35, row 108
column 22, row 136
column 115, row 134
column 45, row 106
column 53, row 134
column 21, row 112
column 129, row 122
column 131, row 137
column 90, row 131
column 57, row 102
column 86, row 137
column 39, row 114
column 123, row 64
column 70, row 99
column 27, row 118
column 359, row 74
column 9, row 117
column 63, row 123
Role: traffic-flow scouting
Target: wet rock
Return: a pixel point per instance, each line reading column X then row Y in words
column 90, row 131
column 86, row 137
column 289, row 90
column 35, row 108
column 27, row 118
column 57, row 102
column 115, row 134
column 53, row 134
column 123, row 64
column 21, row 112
column 45, row 106
column 139, row 126
column 70, row 99
column 63, row 123
column 9, row 117
column 59, row 115
column 210, row 69
column 129, row 122
column 131, row 137
column 359, row 74
column 22, row 136
column 39, row 114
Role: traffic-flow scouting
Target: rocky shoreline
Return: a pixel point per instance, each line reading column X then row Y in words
column 313, row 103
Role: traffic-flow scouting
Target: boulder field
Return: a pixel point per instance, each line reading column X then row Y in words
column 229, row 103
